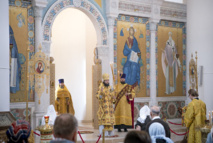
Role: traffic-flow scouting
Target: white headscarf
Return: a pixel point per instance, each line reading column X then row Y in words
column 157, row 131
column 52, row 115
column 144, row 112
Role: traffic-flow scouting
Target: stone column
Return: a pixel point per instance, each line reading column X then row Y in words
column 111, row 22
column 40, row 109
column 38, row 28
column 112, row 13
column 103, row 55
column 153, row 63
column 154, row 19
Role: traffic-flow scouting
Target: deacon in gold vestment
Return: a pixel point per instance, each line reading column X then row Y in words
column 105, row 113
column 123, row 114
column 194, row 117
column 63, row 99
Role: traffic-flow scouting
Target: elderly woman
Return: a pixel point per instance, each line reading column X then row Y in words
column 157, row 134
column 144, row 118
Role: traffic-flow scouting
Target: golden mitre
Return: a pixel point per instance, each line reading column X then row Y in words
column 105, row 76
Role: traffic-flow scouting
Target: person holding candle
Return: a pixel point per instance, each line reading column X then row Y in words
column 123, row 110
column 195, row 116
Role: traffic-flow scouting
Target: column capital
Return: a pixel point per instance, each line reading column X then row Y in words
column 111, row 21
column 155, row 14
column 38, row 12
column 39, row 3
column 112, row 8
column 38, row 6
column 153, row 25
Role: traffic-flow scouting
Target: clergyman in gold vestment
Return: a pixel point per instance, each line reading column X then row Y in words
column 194, row 116
column 123, row 114
column 105, row 113
column 63, row 99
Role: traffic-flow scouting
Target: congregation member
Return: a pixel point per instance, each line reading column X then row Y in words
column 210, row 137
column 155, row 112
column 144, row 118
column 157, row 133
column 194, row 116
column 65, row 129
column 123, row 110
column 137, row 137
column 20, row 132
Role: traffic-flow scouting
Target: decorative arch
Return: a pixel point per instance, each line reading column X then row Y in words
column 88, row 8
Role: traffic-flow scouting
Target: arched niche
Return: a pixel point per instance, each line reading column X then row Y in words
column 85, row 6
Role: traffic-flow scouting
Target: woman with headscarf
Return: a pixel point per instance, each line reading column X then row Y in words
column 157, row 134
column 52, row 115
column 144, row 118
column 210, row 137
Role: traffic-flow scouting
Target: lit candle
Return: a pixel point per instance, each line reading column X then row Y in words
column 210, row 118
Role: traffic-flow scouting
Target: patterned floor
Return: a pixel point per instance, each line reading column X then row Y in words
column 93, row 137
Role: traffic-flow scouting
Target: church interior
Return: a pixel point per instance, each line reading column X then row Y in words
column 43, row 41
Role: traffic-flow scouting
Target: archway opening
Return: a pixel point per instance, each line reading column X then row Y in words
column 73, row 41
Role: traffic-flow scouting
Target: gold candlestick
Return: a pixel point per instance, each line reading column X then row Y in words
column 112, row 65
column 27, row 84
column 46, row 131
column 196, row 71
column 118, row 80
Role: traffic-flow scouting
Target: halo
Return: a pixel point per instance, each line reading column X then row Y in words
column 131, row 25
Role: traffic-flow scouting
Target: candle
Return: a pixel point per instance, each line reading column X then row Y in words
column 212, row 116
column 112, row 66
column 118, row 80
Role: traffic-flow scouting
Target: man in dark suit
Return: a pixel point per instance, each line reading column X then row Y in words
column 155, row 112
